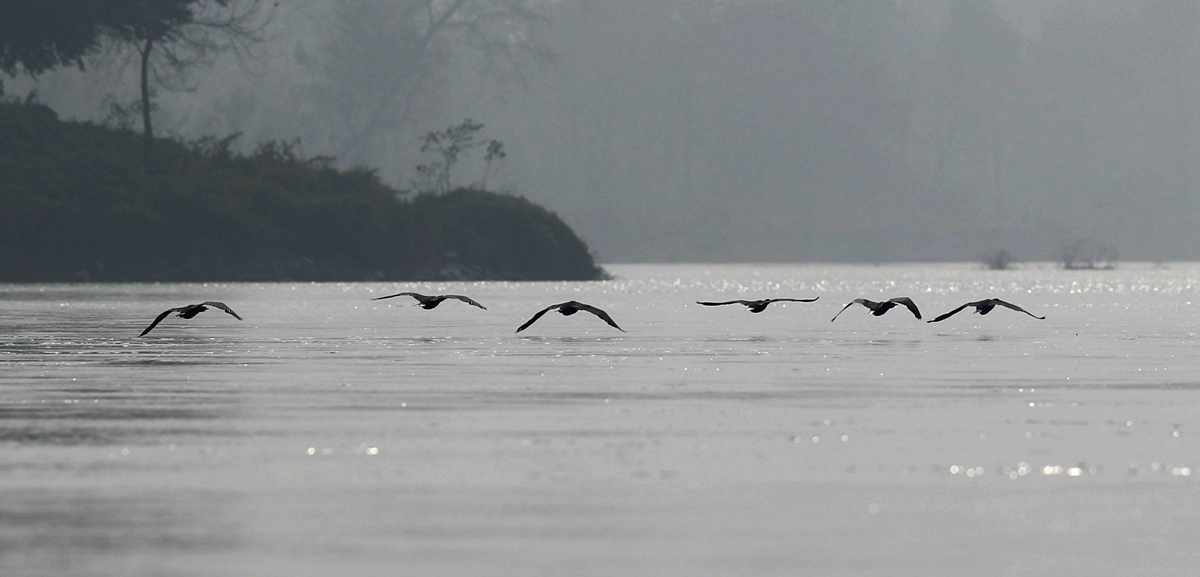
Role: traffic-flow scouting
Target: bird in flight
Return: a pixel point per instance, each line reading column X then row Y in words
column 569, row 308
column 878, row 308
column 429, row 302
column 756, row 306
column 189, row 312
column 984, row 307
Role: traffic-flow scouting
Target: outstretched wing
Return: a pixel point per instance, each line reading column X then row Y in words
column 792, row 300
column 157, row 320
column 1016, row 308
column 538, row 316
column 222, row 306
column 465, row 300
column 709, row 304
column 603, row 315
column 403, row 294
column 908, row 303
column 951, row 313
column 853, row 302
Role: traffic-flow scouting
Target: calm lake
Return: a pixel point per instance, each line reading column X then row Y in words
column 328, row 434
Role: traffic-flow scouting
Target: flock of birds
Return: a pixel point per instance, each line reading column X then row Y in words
column 877, row 308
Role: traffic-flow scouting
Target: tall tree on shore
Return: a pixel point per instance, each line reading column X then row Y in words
column 169, row 38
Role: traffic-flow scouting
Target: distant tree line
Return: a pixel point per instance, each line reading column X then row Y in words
column 76, row 204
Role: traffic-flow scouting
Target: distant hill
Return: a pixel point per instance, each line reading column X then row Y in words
column 80, row 202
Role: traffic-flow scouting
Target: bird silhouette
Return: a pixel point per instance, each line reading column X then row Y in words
column 984, row 307
column 878, row 308
column 756, row 306
column 569, row 308
column 429, row 302
column 188, row 312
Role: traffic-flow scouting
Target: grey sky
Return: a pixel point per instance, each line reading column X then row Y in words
column 780, row 130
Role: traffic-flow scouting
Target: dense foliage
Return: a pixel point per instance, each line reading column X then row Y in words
column 77, row 203
column 40, row 35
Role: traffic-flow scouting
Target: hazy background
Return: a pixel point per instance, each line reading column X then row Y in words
column 743, row 130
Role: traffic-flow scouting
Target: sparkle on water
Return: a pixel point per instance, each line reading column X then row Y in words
column 329, row 434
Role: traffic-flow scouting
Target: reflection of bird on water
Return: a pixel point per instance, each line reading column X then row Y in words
column 569, row 308
column 757, row 306
column 189, row 312
column 984, row 307
column 878, row 308
column 429, row 302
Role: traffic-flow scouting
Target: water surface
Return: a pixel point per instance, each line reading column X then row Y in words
column 331, row 434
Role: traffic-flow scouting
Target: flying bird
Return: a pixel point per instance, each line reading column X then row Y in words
column 189, row 312
column 984, row 307
column 878, row 308
column 569, row 308
column 756, row 306
column 429, row 302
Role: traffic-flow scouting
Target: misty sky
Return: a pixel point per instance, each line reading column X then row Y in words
column 746, row 130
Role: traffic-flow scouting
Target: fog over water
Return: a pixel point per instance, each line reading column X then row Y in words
column 331, row 434
column 763, row 130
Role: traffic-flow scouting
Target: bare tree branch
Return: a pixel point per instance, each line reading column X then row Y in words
column 170, row 38
column 499, row 32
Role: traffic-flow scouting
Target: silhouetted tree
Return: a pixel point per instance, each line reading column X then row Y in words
column 450, row 144
column 40, row 35
column 1088, row 254
column 495, row 151
column 168, row 38
column 997, row 260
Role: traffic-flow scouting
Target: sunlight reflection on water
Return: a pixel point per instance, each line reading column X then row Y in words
column 328, row 433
